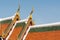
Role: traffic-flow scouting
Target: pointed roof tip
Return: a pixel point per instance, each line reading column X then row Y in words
column 18, row 6
column 31, row 12
column 18, row 11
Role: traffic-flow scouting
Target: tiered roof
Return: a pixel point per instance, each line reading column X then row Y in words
column 13, row 28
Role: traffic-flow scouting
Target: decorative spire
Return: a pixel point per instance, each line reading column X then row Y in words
column 31, row 13
column 17, row 16
column 18, row 7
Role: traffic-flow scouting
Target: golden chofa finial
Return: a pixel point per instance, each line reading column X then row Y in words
column 31, row 13
column 18, row 10
column 17, row 15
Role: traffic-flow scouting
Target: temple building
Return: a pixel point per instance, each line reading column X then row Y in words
column 14, row 28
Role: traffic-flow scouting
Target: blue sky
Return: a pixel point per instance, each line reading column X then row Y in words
column 45, row 11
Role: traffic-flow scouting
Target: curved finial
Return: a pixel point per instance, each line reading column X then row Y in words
column 31, row 13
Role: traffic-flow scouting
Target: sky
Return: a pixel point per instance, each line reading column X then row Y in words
column 45, row 11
